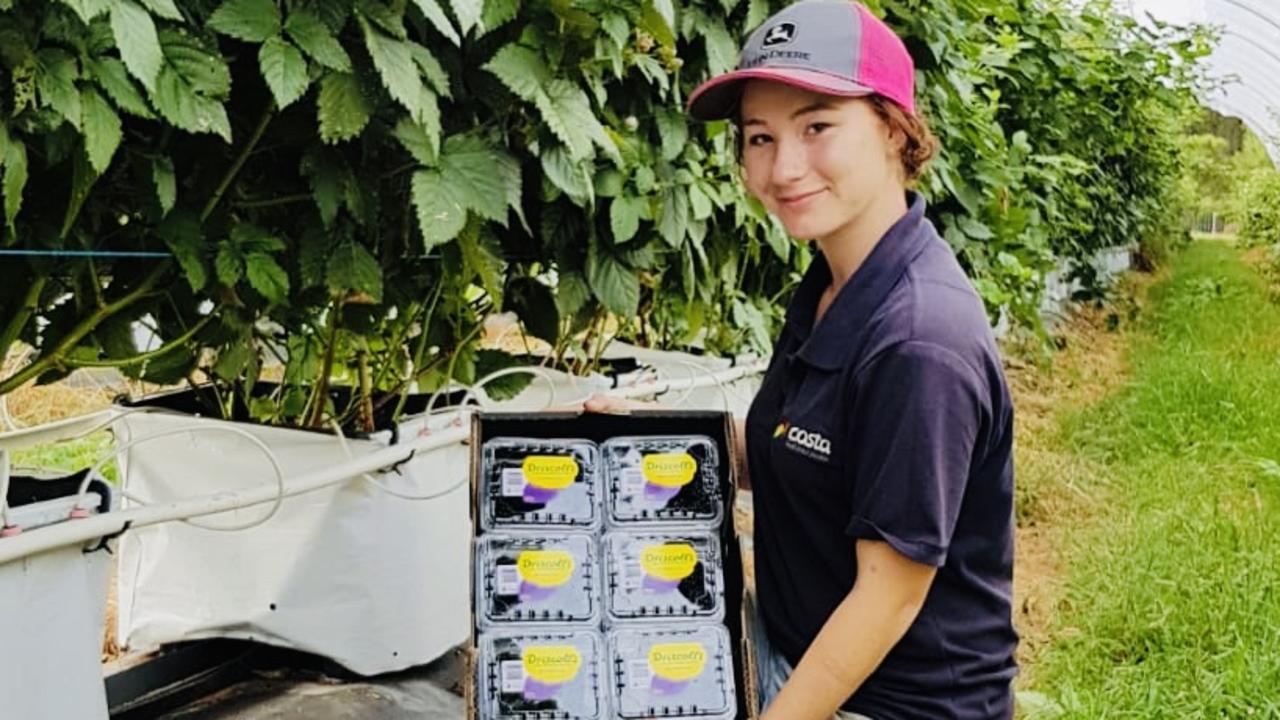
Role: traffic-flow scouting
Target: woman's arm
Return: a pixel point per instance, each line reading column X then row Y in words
column 887, row 596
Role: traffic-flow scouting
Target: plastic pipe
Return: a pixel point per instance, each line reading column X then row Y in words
column 87, row 529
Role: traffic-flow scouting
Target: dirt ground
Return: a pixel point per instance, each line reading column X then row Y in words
column 1089, row 364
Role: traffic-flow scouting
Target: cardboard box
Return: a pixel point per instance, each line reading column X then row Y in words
column 600, row 427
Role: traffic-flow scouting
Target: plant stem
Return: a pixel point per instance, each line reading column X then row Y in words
column 273, row 202
column 30, row 302
column 54, row 357
column 366, row 392
column 143, row 357
column 321, row 389
column 239, row 162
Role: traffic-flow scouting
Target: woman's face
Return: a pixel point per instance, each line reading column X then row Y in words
column 815, row 161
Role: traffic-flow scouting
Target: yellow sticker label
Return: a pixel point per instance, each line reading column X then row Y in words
column 677, row 661
column 551, row 664
column 671, row 470
column 550, row 472
column 545, row 568
column 671, row 561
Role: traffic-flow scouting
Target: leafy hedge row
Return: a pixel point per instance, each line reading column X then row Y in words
column 353, row 185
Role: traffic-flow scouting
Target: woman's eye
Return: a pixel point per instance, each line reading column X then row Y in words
column 758, row 139
column 815, row 128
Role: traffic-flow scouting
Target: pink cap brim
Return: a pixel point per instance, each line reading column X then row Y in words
column 717, row 98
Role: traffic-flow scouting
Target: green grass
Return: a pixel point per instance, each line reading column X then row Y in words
column 69, row 456
column 1171, row 606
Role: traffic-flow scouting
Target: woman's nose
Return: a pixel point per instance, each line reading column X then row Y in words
column 789, row 163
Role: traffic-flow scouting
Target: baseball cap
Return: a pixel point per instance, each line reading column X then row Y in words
column 834, row 47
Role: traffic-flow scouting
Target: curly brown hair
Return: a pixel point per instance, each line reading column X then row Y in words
column 919, row 144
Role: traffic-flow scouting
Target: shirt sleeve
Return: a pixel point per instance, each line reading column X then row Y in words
column 917, row 413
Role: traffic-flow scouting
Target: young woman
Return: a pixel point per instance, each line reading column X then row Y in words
column 879, row 446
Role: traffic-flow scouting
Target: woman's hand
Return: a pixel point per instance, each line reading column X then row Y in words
column 599, row 403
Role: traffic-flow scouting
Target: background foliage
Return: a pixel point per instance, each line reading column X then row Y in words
column 351, row 186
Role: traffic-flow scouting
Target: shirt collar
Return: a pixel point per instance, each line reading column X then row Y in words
column 828, row 345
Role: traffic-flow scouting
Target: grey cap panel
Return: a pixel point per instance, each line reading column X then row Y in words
column 825, row 35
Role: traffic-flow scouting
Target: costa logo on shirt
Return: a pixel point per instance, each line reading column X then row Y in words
column 806, row 442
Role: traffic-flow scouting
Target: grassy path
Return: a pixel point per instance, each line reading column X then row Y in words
column 1169, row 604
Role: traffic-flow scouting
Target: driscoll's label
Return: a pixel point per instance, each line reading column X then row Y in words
column 537, row 574
column 666, row 473
column 665, row 565
column 547, row 668
column 675, row 665
column 540, row 477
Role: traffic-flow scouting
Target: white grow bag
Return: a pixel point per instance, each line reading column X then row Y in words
column 375, row 582
column 52, row 613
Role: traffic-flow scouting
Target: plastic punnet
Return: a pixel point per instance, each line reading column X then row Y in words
column 679, row 672
column 533, row 483
column 527, row 578
column 661, row 479
column 531, row 675
column 676, row 574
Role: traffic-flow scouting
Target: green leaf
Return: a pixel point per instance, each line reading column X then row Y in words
column 431, row 68
column 569, row 175
column 15, row 180
column 181, row 105
column 56, row 75
column 136, row 38
column 192, row 83
column 674, row 132
column 479, row 261
column 572, row 292
column 568, row 113
column 435, row 15
column 329, row 178
column 535, row 305
column 624, row 217
column 183, row 235
column 88, row 9
column 423, row 143
column 284, row 69
column 498, row 13
column 520, row 69
column 112, row 76
column 164, row 8
column 198, row 62
column 506, row 387
column 316, row 40
column 397, row 69
column 233, row 360
column 674, row 221
column 613, row 283
column 699, row 203
column 229, row 264
column 617, row 28
column 267, row 277
column 166, row 183
column 472, row 175
column 102, row 131
column 608, row 182
column 487, row 177
column 468, row 13
column 351, row 267
column 249, row 20
column 442, row 210
column 722, row 50
column 343, row 109
column 757, row 13
column 658, row 19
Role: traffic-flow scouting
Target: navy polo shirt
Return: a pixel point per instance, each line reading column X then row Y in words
column 891, row 420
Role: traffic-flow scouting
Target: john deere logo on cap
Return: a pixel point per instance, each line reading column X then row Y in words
column 779, row 34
